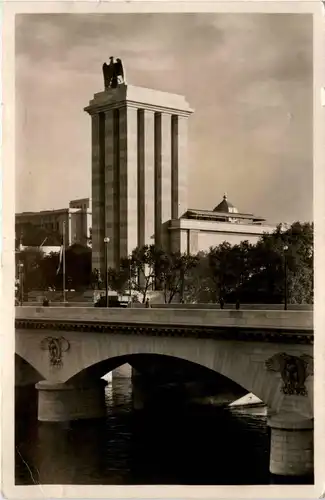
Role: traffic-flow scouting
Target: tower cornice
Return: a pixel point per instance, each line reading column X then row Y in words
column 140, row 98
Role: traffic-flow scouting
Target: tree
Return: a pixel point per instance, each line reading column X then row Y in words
column 49, row 266
column 199, row 285
column 31, row 235
column 241, row 265
column 118, row 278
column 77, row 266
column 222, row 272
column 149, row 267
column 230, row 266
column 40, row 271
column 266, row 280
column 96, row 279
column 299, row 239
column 256, row 273
column 142, row 266
column 171, row 271
column 31, row 258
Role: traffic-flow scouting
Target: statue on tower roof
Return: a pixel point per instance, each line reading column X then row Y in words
column 113, row 73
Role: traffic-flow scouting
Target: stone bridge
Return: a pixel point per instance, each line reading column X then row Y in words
column 269, row 353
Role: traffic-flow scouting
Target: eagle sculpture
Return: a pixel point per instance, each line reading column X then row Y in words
column 294, row 371
column 113, row 73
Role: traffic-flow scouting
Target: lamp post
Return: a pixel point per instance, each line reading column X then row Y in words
column 130, row 282
column 285, row 250
column 21, row 282
column 106, row 241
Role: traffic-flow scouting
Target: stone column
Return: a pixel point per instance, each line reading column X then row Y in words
column 179, row 166
column 63, row 402
column 111, row 186
column 166, row 178
column 98, row 192
column 146, row 177
column 291, row 445
column 128, row 191
column 163, row 176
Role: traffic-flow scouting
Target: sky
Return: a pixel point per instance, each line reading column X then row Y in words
column 247, row 76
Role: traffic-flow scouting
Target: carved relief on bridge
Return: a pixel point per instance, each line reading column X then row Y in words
column 56, row 347
column 294, row 371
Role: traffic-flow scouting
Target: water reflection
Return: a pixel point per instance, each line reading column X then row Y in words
column 166, row 445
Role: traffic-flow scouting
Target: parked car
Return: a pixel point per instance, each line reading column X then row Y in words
column 113, row 301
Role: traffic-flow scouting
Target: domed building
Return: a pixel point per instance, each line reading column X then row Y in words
column 198, row 230
column 225, row 206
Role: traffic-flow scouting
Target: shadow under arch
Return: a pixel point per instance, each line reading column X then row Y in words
column 26, row 377
column 161, row 369
column 25, row 373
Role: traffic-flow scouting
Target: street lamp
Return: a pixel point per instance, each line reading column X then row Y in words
column 106, row 241
column 130, row 282
column 21, row 282
column 285, row 250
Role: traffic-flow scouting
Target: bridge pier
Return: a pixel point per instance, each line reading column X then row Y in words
column 63, row 402
column 139, row 390
column 292, row 445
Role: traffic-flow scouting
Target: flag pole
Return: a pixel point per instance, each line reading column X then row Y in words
column 63, row 262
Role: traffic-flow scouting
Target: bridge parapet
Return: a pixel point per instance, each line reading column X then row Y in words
column 268, row 353
column 280, row 320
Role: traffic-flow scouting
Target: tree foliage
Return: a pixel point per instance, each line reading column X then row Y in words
column 31, row 260
column 119, row 279
column 172, row 270
column 251, row 273
column 230, row 267
column 150, row 268
column 199, row 285
column 292, row 251
column 41, row 271
column 31, row 235
column 143, row 265
column 255, row 273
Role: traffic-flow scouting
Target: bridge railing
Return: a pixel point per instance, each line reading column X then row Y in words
column 244, row 307
column 284, row 320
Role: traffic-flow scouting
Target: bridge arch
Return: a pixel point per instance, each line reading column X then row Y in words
column 162, row 371
column 240, row 361
column 235, row 361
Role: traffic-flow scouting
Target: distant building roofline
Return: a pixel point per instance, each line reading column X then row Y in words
column 211, row 214
column 54, row 210
column 72, row 210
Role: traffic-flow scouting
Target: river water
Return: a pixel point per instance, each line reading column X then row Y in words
column 196, row 444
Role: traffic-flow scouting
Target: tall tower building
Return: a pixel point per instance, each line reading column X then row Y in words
column 139, row 169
